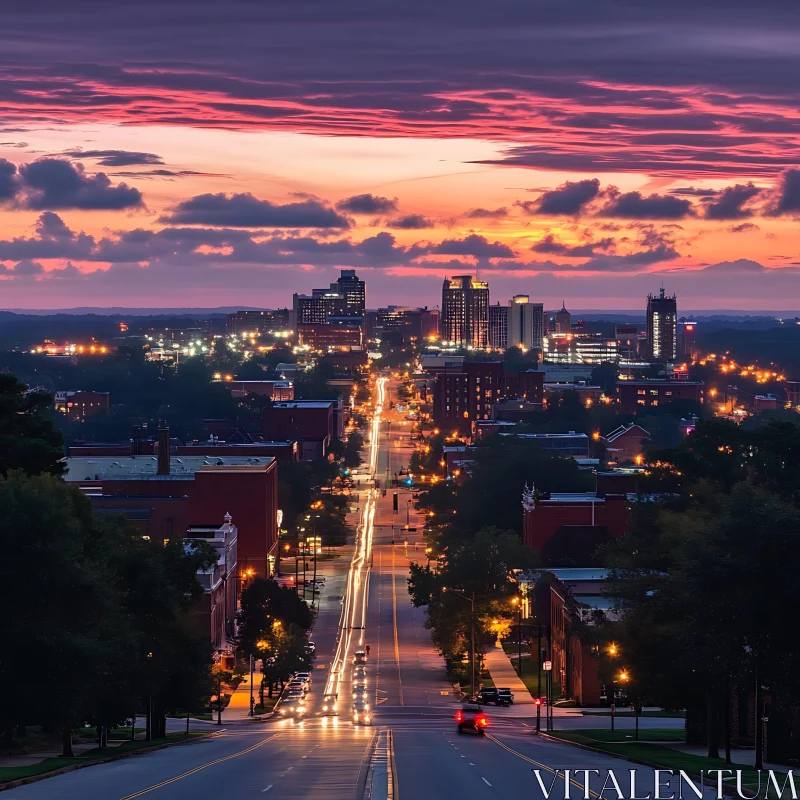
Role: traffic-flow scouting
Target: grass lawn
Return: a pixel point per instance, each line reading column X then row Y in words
column 657, row 755
column 90, row 756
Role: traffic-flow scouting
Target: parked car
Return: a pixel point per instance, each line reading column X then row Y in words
column 497, row 697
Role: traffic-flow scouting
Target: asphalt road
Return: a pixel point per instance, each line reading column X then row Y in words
column 329, row 757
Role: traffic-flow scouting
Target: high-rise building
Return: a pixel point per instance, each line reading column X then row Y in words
column 579, row 348
column 465, row 312
column 563, row 320
column 498, row 327
column 317, row 308
column 525, row 323
column 662, row 327
column 354, row 292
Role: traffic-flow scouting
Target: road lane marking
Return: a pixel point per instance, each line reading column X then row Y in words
column 485, row 781
column 267, row 789
column 197, row 769
column 396, row 641
column 577, row 784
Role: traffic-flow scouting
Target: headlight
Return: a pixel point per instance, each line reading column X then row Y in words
column 324, row 708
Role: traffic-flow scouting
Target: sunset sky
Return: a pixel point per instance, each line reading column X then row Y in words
column 181, row 153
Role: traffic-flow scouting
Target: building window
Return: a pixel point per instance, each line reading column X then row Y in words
column 641, row 391
column 654, row 392
column 667, row 394
column 640, row 402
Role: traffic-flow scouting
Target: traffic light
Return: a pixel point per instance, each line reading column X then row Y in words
column 394, row 501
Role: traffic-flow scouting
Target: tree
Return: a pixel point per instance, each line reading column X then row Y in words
column 28, row 438
column 265, row 603
column 102, row 614
column 352, row 450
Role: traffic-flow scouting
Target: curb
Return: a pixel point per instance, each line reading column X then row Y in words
column 72, row 767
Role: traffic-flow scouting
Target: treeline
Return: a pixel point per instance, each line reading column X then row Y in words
column 707, row 578
column 97, row 622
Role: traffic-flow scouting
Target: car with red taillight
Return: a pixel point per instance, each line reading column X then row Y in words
column 471, row 717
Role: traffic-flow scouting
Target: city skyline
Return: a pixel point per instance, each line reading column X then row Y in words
column 139, row 167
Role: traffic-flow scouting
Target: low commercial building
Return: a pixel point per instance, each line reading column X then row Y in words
column 78, row 405
column 274, row 390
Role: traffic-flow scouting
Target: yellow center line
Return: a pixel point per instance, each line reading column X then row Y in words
column 396, row 642
column 197, row 769
column 577, row 784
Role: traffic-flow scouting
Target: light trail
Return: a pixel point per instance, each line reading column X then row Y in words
column 354, row 607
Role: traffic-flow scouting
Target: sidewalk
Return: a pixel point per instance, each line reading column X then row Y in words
column 504, row 675
column 239, row 706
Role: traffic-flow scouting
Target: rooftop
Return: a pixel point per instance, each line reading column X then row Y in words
column 304, row 404
column 88, row 468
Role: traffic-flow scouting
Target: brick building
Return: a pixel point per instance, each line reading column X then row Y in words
column 311, row 423
column 166, row 496
column 467, row 394
column 568, row 527
column 632, row 396
column 626, row 443
column 528, row 385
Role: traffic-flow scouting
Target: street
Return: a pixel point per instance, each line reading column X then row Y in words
column 407, row 694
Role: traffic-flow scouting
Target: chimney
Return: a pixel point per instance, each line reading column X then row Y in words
column 163, row 451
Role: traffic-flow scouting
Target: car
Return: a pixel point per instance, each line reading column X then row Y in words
column 360, row 689
column 330, row 705
column 301, row 685
column 360, row 657
column 306, row 676
column 361, row 712
column 471, row 717
column 498, row 697
column 506, row 693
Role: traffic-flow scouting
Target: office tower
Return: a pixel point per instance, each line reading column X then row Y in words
column 662, row 323
column 465, row 311
column 525, row 323
column 498, row 327
column 353, row 290
column 563, row 320
column 688, row 338
column 627, row 337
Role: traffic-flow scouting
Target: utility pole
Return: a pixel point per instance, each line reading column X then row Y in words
column 252, row 701
column 472, row 641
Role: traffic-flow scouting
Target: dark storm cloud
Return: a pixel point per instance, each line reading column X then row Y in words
column 116, row 158
column 52, row 183
column 472, row 245
column 787, row 199
column 568, row 199
column 730, row 201
column 247, row 211
column 411, row 222
column 575, row 84
column 590, row 249
column 367, row 204
column 8, row 183
column 486, row 213
column 635, row 205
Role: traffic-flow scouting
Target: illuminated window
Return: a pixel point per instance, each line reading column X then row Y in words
column 640, row 402
column 641, row 391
